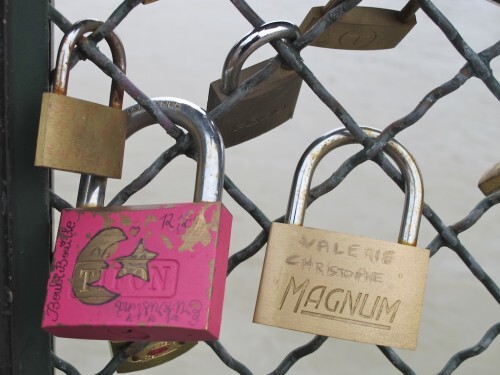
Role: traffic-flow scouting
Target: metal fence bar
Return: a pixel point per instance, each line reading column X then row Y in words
column 477, row 65
column 396, row 361
column 227, row 358
column 25, row 227
column 457, row 359
column 299, row 353
column 451, row 240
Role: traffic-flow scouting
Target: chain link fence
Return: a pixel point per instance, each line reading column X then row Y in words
column 476, row 65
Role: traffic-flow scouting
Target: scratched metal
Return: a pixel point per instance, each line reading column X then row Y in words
column 477, row 64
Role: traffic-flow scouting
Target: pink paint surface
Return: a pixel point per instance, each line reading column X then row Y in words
column 145, row 278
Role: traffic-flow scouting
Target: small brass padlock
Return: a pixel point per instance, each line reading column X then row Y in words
column 490, row 180
column 77, row 135
column 342, row 285
column 154, row 354
column 146, row 273
column 271, row 103
column 363, row 28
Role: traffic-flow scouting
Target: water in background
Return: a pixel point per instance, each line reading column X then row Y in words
column 177, row 48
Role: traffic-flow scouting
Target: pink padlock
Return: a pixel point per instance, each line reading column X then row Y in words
column 146, row 273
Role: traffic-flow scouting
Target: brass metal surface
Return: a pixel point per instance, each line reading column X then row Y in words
column 343, row 286
column 268, row 106
column 490, row 180
column 80, row 136
column 270, row 103
column 154, row 354
column 362, row 28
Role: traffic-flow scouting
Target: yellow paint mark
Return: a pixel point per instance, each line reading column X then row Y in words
column 198, row 232
column 108, row 222
column 150, row 219
column 125, row 220
column 166, row 241
column 211, row 266
column 215, row 219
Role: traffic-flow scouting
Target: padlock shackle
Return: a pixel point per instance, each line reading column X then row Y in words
column 68, row 47
column 208, row 141
column 92, row 189
column 205, row 134
column 260, row 36
column 414, row 191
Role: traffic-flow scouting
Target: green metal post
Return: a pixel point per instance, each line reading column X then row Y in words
column 25, row 227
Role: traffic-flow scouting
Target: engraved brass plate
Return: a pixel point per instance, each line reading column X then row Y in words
column 80, row 136
column 343, row 286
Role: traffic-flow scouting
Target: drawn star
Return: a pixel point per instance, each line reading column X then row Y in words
column 136, row 264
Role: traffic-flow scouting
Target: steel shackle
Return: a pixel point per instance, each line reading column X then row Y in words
column 67, row 49
column 206, row 136
column 414, row 191
column 258, row 37
column 209, row 175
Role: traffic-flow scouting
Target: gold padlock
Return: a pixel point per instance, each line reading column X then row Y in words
column 490, row 180
column 271, row 103
column 77, row 135
column 154, row 354
column 363, row 28
column 341, row 285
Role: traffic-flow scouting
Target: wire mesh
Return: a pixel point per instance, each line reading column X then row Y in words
column 477, row 65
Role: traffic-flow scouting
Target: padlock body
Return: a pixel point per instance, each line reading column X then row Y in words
column 146, row 273
column 362, row 28
column 269, row 105
column 80, row 136
column 343, row 286
column 154, row 354
column 490, row 180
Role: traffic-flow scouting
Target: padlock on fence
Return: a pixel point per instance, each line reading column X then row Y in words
column 91, row 194
column 154, row 354
column 363, row 28
column 489, row 182
column 77, row 135
column 341, row 285
column 271, row 103
column 146, row 273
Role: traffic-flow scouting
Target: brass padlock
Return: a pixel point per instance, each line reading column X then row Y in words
column 154, row 354
column 363, row 28
column 341, row 285
column 490, row 180
column 271, row 103
column 77, row 135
